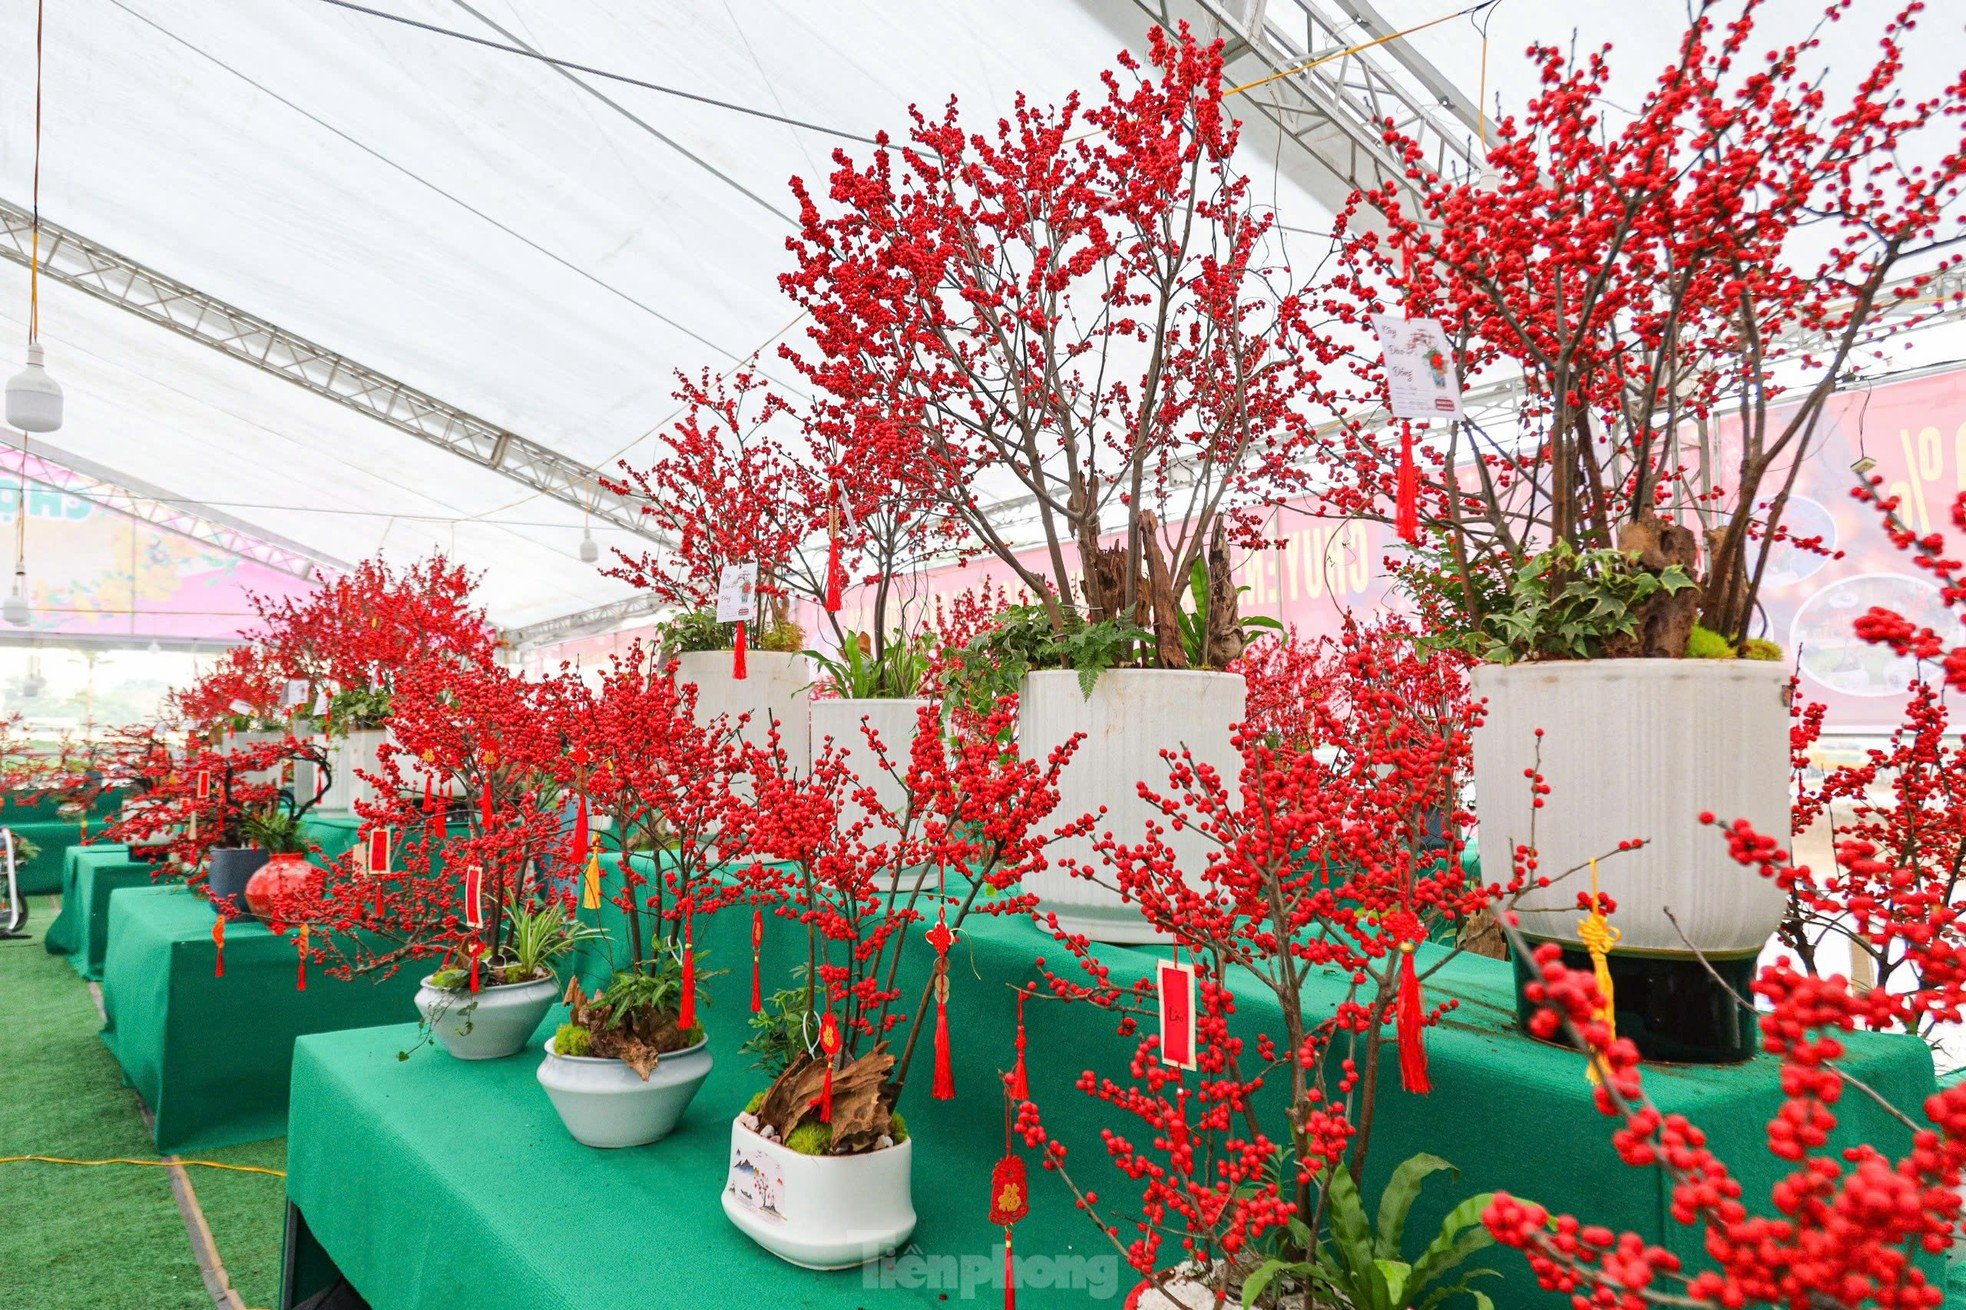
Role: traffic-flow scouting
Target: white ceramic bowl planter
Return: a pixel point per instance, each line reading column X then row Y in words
column 1640, row 748
column 605, row 1103
column 893, row 723
column 777, row 685
column 1132, row 715
column 490, row 1023
column 820, row 1211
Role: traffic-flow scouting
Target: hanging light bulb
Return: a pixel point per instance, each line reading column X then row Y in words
column 15, row 609
column 590, row 550
column 34, row 398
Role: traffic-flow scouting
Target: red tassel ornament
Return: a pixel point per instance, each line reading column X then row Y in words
column 581, row 834
column 218, row 943
column 737, row 667
column 686, row 1011
column 942, row 939
column 757, row 952
column 301, row 984
column 487, row 814
column 1409, row 1017
column 475, row 950
column 834, row 572
column 1406, row 506
column 1020, row 1082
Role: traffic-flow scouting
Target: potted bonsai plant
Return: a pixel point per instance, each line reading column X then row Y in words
column 726, row 491
column 625, row 1065
column 821, row 1163
column 1648, row 289
column 1146, row 399
column 515, row 985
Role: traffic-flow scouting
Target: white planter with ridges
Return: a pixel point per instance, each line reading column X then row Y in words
column 820, row 1211
column 1639, row 748
column 893, row 723
column 358, row 750
column 1132, row 715
column 606, row 1104
column 490, row 1023
column 777, row 686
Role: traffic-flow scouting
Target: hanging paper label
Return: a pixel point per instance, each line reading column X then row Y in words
column 295, row 694
column 1420, row 376
column 203, row 790
column 474, row 896
column 378, row 851
column 737, row 593
column 1176, row 984
column 241, row 707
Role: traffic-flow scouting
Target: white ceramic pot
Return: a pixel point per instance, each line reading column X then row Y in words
column 488, row 1024
column 893, row 723
column 240, row 743
column 777, row 686
column 604, row 1103
column 358, row 750
column 1132, row 715
column 820, row 1211
column 1639, row 748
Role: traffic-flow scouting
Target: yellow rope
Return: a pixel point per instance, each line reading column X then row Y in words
column 153, row 1164
column 1600, row 939
column 1309, row 64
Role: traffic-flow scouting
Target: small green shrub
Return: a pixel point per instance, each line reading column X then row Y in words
column 1706, row 644
column 571, row 1039
column 811, row 1139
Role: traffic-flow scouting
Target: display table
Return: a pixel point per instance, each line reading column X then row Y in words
column 334, row 831
column 422, row 1179
column 211, row 1056
column 92, row 874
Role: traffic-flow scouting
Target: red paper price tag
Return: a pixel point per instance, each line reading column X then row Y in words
column 1176, row 983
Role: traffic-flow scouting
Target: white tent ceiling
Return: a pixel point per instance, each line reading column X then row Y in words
column 482, row 227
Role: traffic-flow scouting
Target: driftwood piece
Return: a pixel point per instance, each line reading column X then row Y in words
column 1224, row 639
column 861, row 1114
column 1164, row 601
column 1666, row 621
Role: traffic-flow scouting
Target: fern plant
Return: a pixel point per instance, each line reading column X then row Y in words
column 1023, row 639
column 1363, row 1261
column 1194, row 622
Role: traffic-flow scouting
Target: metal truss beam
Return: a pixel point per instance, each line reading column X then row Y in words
column 64, row 472
column 119, row 280
column 597, row 619
column 1336, row 111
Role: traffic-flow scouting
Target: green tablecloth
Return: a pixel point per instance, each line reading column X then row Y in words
column 212, row 1056
column 93, row 873
column 334, row 831
column 421, row 1178
column 55, row 837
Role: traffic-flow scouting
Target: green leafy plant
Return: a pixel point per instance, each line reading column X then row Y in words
column 359, row 709
column 1194, row 622
column 780, row 1030
column 897, row 671
column 1363, row 1261
column 1569, row 605
column 1023, row 638
column 695, row 630
column 275, row 829
column 778, row 633
column 539, row 935
column 26, row 849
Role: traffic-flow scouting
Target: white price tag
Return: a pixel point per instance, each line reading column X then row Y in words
column 1420, row 376
column 296, row 693
column 737, row 593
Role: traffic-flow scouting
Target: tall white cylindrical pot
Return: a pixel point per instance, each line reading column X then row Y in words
column 359, row 749
column 777, row 687
column 1639, row 749
column 242, row 743
column 1131, row 716
column 846, row 724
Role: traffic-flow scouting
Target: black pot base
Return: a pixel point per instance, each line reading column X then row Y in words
column 1670, row 1006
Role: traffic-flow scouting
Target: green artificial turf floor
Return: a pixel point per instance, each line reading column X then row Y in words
column 107, row 1238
